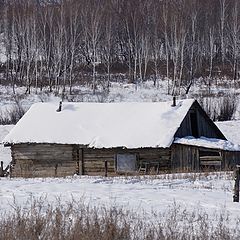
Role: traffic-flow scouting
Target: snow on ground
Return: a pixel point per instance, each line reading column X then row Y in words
column 208, row 193
column 5, row 153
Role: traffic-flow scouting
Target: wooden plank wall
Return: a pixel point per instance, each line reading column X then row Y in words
column 206, row 127
column 230, row 159
column 54, row 160
column 184, row 158
column 94, row 159
column 42, row 160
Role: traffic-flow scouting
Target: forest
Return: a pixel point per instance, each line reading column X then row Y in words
column 59, row 43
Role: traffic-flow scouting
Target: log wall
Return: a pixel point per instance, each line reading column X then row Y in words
column 186, row 158
column 55, row 160
column 94, row 159
column 42, row 160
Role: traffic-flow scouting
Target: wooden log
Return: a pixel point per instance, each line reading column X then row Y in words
column 236, row 184
column 211, row 163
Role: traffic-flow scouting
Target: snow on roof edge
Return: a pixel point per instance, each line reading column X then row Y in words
column 205, row 142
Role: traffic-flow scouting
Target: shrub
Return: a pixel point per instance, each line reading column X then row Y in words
column 12, row 115
column 76, row 220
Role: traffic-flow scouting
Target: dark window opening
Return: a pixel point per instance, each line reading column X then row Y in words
column 194, row 124
column 210, row 160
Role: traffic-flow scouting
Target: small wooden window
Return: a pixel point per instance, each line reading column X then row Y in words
column 194, row 124
column 210, row 159
column 126, row 162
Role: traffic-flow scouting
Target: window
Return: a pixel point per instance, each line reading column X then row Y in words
column 210, row 159
column 194, row 124
column 126, row 162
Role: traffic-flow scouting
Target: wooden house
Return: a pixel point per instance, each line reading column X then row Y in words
column 117, row 138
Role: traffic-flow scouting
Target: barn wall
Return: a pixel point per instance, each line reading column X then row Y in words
column 94, row 159
column 184, row 158
column 45, row 160
column 54, row 160
column 231, row 159
column 42, row 160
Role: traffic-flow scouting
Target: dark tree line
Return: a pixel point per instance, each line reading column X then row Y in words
column 57, row 43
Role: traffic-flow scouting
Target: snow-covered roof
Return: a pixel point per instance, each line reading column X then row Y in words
column 230, row 129
column 208, row 143
column 101, row 125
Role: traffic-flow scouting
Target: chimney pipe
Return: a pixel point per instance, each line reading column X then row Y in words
column 174, row 102
column 60, row 107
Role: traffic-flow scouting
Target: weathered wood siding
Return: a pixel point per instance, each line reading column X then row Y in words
column 184, row 158
column 42, row 160
column 206, row 127
column 54, row 160
column 94, row 159
column 231, row 159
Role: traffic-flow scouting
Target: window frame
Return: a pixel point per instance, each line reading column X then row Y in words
column 126, row 171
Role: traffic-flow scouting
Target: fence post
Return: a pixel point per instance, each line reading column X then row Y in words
column 106, row 168
column 236, row 184
column 1, row 170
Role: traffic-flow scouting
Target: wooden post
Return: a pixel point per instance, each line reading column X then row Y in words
column 236, row 184
column 55, row 170
column 77, row 167
column 1, row 170
column 106, row 168
column 81, row 161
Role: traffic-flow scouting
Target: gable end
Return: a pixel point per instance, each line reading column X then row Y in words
column 197, row 124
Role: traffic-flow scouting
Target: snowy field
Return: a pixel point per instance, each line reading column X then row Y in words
column 206, row 193
column 210, row 193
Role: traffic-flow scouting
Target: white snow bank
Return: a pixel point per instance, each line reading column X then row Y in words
column 230, row 129
column 101, row 125
column 5, row 153
column 208, row 143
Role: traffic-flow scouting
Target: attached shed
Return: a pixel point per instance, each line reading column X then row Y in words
column 127, row 138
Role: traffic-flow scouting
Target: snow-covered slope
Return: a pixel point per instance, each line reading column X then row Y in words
column 231, row 130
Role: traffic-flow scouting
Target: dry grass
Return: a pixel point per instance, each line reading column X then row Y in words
column 12, row 115
column 76, row 220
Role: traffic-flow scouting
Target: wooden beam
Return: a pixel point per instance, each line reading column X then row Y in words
column 236, row 184
column 81, row 161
